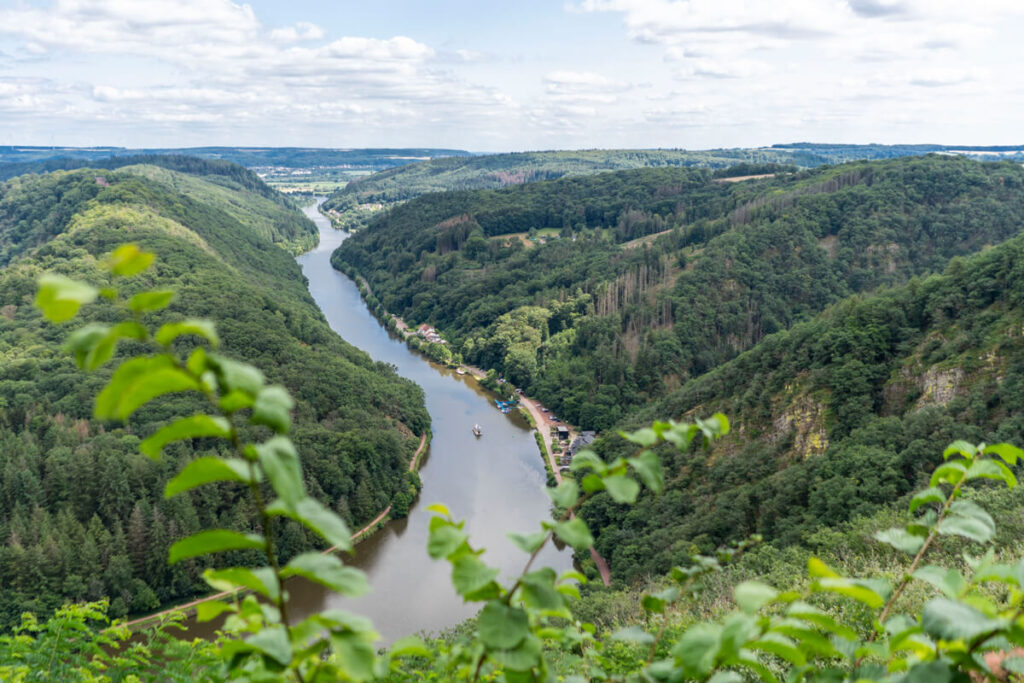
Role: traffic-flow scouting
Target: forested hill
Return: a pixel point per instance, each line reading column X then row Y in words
column 360, row 200
column 82, row 513
column 834, row 418
column 658, row 275
column 354, row 205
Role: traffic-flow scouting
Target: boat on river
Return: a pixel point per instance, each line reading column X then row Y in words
column 477, row 431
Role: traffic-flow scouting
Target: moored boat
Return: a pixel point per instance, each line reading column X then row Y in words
column 477, row 431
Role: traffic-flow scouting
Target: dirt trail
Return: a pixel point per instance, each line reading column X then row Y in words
column 188, row 606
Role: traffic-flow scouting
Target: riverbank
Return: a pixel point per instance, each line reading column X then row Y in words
column 188, row 608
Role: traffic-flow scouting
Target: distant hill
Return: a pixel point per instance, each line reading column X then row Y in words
column 352, row 206
column 82, row 512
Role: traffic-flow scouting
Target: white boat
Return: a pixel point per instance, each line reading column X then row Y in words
column 477, row 431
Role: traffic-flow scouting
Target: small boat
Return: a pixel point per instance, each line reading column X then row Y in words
column 460, row 371
column 477, row 431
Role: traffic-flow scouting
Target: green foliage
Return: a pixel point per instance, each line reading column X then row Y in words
column 663, row 274
column 83, row 514
column 526, row 629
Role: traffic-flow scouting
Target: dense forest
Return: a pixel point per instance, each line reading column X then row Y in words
column 642, row 279
column 82, row 512
column 835, row 416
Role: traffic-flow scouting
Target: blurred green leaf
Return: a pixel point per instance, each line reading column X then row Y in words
column 60, row 298
column 272, row 408
column 328, row 570
column 575, row 533
column 502, row 627
column 138, row 381
column 213, row 541
column 128, row 260
column 151, row 301
column 280, row 462
column 196, row 426
column 621, row 488
column 565, row 494
column 753, row 595
column 168, row 332
column 901, row 539
column 206, row 470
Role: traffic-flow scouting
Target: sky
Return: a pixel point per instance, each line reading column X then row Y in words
column 482, row 75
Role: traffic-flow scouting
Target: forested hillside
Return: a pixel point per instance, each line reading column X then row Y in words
column 82, row 512
column 834, row 418
column 354, row 205
column 659, row 275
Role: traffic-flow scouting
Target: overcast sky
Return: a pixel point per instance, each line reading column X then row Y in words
column 486, row 75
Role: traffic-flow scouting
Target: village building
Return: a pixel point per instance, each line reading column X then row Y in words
column 582, row 441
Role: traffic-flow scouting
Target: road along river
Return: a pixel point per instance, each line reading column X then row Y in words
column 496, row 482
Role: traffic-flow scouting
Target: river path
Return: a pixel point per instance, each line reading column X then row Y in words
column 496, row 483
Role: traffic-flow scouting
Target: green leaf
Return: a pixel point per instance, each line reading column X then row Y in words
column 168, row 332
column 648, row 468
column 621, row 488
column 818, row 569
column 592, row 482
column 151, row 301
column 214, row 541
column 260, row 580
column 211, row 609
column 645, row 437
column 781, row 646
column 59, row 297
column 522, row 657
column 811, row 614
column 951, row 620
column 960, row 447
column 104, row 348
column 565, row 494
column 529, row 543
column 138, row 381
column 410, row 646
column 194, row 427
column 354, row 656
column 539, row 593
column 206, row 470
column 949, row 581
column 273, row 642
column 697, row 649
column 324, row 522
column 235, row 376
column 273, row 409
column 445, row 538
column 587, row 459
column 575, row 533
column 328, row 570
column 968, row 520
column 281, row 464
column 949, row 473
column 850, row 589
column 633, row 634
column 901, row 539
column 991, row 469
column 473, row 579
column 1009, row 454
column 753, row 595
column 929, row 495
column 502, row 627
column 83, row 341
column 128, row 260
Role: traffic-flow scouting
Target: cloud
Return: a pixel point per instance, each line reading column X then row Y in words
column 300, row 32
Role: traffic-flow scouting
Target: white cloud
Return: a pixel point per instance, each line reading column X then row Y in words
column 300, row 32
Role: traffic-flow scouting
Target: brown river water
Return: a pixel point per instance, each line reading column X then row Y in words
column 496, row 483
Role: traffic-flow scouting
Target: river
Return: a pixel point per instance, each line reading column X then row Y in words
column 496, row 483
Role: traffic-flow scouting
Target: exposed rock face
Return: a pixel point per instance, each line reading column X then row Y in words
column 939, row 387
column 804, row 417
